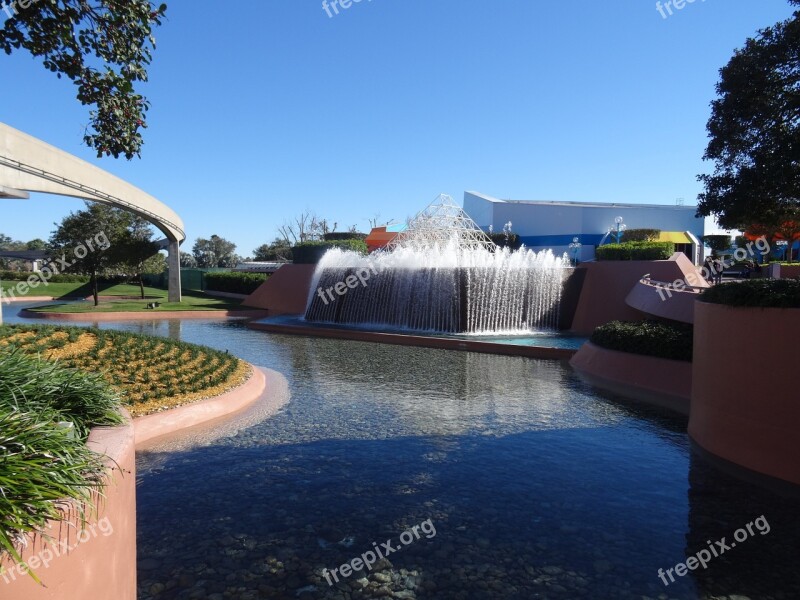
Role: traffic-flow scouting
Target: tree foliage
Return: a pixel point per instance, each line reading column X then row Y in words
column 278, row 250
column 754, row 132
column 84, row 240
column 215, row 252
column 104, row 48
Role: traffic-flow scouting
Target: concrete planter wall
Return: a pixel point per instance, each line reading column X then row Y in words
column 98, row 560
column 658, row 381
column 745, row 406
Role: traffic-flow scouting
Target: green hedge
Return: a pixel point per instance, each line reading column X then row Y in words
column 344, row 235
column 310, row 253
column 636, row 251
column 764, row 293
column 649, row 338
column 512, row 242
column 641, row 235
column 235, row 283
column 61, row 278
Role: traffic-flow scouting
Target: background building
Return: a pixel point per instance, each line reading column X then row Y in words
column 545, row 224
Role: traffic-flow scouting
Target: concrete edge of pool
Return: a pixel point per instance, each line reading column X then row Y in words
column 403, row 339
column 159, row 425
column 91, row 547
column 142, row 316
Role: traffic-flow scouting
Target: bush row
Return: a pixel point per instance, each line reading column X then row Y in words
column 310, row 253
column 641, row 235
column 649, row 338
column 61, row 278
column 636, row 251
column 235, row 283
column 764, row 293
column 344, row 235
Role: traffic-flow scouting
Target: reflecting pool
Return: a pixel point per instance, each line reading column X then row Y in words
column 537, row 486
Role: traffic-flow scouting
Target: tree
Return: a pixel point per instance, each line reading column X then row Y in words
column 754, row 132
column 279, row 250
column 215, row 252
column 717, row 243
column 103, row 47
column 36, row 244
column 188, row 261
column 83, row 240
column 136, row 251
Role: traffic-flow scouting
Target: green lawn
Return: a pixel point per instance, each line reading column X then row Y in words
column 77, row 290
column 192, row 301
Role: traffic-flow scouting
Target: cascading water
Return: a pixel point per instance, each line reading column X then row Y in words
column 448, row 289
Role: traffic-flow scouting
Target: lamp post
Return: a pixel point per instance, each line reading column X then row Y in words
column 575, row 247
column 619, row 227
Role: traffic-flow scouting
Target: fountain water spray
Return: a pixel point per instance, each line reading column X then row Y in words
column 442, row 274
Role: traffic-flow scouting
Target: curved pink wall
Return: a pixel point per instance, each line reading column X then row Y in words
column 608, row 284
column 649, row 298
column 285, row 292
column 102, row 561
column 745, row 406
column 658, row 381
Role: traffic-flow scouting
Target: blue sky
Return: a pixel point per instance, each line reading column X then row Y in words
column 264, row 108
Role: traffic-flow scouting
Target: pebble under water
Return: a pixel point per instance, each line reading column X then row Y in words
column 537, row 486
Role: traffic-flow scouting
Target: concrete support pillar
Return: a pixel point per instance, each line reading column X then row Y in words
column 174, row 264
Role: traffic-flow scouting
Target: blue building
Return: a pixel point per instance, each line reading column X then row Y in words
column 545, row 224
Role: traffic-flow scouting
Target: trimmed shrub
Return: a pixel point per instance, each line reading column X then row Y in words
column 764, row 293
column 641, row 235
column 60, row 278
column 636, row 251
column 512, row 242
column 235, row 283
column 344, row 235
column 648, row 338
column 310, row 253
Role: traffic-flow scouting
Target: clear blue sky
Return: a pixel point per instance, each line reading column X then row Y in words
column 264, row 108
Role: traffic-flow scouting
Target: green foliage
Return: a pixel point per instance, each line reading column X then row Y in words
column 42, row 465
column 103, row 47
column 85, row 237
column 718, row 243
column 235, row 283
column 143, row 367
column 641, row 235
column 310, row 253
column 764, row 293
column 649, row 338
column 278, row 250
column 636, row 251
column 215, row 253
column 753, row 133
column 37, row 386
column 510, row 241
column 343, row 235
column 60, row 278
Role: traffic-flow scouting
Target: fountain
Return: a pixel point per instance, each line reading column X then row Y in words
column 441, row 275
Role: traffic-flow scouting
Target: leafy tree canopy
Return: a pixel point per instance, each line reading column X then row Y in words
column 215, row 252
column 754, row 132
column 104, row 48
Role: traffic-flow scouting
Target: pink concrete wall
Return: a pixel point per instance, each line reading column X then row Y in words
column 101, row 562
column 745, row 405
column 159, row 424
column 671, row 304
column 658, row 381
column 790, row 272
column 608, row 284
column 285, row 292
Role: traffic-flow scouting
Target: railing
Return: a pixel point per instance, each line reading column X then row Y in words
column 647, row 280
